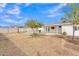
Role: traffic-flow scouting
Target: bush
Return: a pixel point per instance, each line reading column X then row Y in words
column 64, row 33
column 39, row 31
column 35, row 35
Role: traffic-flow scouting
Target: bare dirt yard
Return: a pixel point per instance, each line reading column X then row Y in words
column 21, row 44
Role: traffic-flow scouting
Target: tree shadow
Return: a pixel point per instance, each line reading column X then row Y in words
column 8, row 48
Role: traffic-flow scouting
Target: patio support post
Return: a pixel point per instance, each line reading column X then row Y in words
column 56, row 29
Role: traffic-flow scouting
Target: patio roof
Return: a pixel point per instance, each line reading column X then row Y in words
column 52, row 25
column 61, row 24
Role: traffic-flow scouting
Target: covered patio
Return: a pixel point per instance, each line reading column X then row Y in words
column 55, row 28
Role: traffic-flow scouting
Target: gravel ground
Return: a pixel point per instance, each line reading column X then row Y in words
column 22, row 44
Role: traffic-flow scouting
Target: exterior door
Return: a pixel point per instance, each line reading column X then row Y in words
column 60, row 30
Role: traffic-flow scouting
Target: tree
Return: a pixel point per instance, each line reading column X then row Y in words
column 33, row 24
column 72, row 16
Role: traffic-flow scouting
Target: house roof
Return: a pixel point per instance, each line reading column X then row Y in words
column 52, row 25
column 61, row 24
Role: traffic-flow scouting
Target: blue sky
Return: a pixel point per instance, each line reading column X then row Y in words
column 18, row 13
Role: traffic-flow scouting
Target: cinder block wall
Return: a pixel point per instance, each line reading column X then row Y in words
column 11, row 30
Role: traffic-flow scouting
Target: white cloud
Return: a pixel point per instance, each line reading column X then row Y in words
column 13, row 21
column 2, row 6
column 4, row 16
column 18, row 4
column 9, row 20
column 21, row 21
column 17, row 16
column 27, row 4
column 1, row 9
column 53, row 12
column 15, row 10
column 54, row 15
column 57, row 8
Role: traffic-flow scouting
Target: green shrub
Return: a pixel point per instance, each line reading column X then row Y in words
column 35, row 35
column 39, row 31
column 64, row 33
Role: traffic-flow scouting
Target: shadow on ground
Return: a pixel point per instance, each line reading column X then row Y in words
column 8, row 48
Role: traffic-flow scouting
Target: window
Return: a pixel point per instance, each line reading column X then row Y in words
column 52, row 27
column 59, row 26
column 76, row 28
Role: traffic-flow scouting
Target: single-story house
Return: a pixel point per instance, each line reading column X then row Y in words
column 68, row 28
column 60, row 28
column 50, row 28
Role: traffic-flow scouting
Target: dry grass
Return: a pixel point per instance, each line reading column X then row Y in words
column 23, row 44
